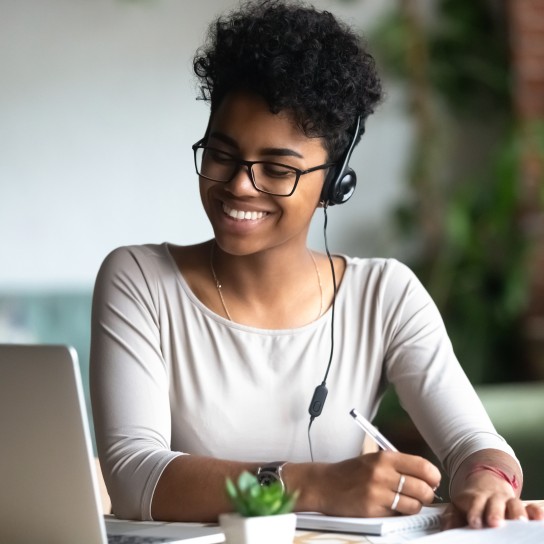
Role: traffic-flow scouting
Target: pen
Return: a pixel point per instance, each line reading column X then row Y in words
column 378, row 437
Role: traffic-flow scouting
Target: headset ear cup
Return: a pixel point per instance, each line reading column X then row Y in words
column 338, row 189
column 344, row 187
column 341, row 181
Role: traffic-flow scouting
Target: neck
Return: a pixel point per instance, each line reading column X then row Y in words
column 262, row 270
column 268, row 284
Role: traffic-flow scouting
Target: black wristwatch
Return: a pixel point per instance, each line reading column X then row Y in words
column 270, row 473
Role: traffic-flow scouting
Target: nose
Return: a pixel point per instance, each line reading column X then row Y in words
column 241, row 183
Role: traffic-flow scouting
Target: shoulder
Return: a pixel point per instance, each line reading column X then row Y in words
column 131, row 267
column 382, row 271
column 391, row 292
column 142, row 257
column 136, row 274
column 388, row 283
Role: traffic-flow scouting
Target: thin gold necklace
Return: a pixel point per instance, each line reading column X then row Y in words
column 217, row 284
column 220, row 289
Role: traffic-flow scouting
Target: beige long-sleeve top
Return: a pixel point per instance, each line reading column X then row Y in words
column 169, row 376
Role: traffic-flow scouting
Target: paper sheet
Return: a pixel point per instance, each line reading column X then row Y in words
column 511, row 532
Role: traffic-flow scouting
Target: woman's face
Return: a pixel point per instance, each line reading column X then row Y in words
column 247, row 221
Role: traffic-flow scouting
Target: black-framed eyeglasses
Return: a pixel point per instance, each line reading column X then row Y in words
column 272, row 178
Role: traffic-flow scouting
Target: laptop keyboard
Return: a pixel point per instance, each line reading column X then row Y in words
column 136, row 539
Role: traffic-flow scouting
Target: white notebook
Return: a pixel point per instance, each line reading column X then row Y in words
column 427, row 519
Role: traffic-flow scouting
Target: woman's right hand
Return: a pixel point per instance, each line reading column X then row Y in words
column 366, row 486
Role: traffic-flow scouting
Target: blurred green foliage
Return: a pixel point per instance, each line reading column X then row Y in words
column 462, row 219
column 467, row 45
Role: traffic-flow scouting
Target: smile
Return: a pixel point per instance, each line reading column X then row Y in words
column 242, row 215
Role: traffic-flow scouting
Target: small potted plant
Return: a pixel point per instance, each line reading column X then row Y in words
column 263, row 513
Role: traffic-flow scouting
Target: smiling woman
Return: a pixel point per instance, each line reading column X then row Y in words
column 204, row 357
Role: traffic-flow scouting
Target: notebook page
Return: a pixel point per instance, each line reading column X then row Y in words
column 511, row 532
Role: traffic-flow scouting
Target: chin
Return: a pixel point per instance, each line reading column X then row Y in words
column 238, row 248
column 245, row 246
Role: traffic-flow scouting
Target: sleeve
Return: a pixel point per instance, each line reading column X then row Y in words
column 129, row 383
column 431, row 385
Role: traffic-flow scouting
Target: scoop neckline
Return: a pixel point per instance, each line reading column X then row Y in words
column 248, row 328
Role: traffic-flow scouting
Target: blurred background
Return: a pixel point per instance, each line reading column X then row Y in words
column 98, row 112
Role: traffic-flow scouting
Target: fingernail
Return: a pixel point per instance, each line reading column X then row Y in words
column 523, row 518
column 475, row 523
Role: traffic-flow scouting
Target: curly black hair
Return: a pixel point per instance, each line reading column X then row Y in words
column 299, row 60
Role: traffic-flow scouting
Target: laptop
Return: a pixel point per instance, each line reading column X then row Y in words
column 48, row 485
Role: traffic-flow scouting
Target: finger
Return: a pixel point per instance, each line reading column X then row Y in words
column 395, row 480
column 475, row 513
column 404, row 504
column 417, row 467
column 452, row 518
column 418, row 489
column 534, row 511
column 395, row 502
column 495, row 511
column 515, row 509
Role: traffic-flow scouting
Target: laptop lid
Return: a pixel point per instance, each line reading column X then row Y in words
column 49, row 491
column 48, row 486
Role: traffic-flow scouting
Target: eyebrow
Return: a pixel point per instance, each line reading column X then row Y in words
column 277, row 151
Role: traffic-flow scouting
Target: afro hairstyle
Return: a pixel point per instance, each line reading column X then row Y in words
column 299, row 60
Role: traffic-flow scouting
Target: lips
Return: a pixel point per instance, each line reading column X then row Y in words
column 243, row 215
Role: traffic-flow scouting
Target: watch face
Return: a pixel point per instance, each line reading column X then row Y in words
column 267, row 478
column 271, row 473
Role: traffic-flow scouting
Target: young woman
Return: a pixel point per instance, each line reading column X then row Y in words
column 205, row 358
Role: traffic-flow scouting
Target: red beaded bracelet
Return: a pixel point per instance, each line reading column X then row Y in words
column 498, row 472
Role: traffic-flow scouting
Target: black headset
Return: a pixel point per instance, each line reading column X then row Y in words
column 341, row 180
column 338, row 187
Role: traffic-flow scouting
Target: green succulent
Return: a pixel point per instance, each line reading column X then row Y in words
column 251, row 499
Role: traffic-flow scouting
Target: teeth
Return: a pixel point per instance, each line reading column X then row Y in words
column 241, row 215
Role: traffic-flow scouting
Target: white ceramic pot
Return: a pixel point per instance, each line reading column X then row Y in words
column 278, row 529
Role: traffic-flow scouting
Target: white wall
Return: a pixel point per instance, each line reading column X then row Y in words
column 97, row 116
